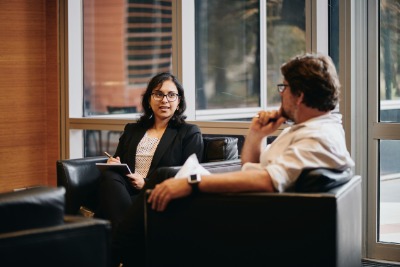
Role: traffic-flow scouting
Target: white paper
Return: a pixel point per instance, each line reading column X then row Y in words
column 191, row 166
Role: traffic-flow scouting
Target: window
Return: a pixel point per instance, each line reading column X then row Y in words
column 239, row 48
column 389, row 92
column 125, row 44
column 236, row 60
column 383, row 223
column 389, row 107
column 227, row 54
column 128, row 42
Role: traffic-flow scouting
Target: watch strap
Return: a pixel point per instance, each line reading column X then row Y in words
column 194, row 183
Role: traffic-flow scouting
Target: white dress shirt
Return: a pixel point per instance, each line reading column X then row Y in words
column 318, row 142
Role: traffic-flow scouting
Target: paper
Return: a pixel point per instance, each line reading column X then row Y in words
column 191, row 166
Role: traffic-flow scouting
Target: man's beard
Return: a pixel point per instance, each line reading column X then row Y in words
column 286, row 114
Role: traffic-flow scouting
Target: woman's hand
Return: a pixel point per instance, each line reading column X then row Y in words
column 137, row 180
column 114, row 160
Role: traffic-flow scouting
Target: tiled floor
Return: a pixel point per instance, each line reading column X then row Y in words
column 370, row 263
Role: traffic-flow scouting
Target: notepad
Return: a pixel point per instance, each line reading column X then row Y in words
column 122, row 168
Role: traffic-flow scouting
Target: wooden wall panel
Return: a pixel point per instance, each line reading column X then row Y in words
column 29, row 137
column 52, row 91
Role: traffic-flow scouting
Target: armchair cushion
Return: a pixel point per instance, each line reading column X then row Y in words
column 220, row 148
column 321, row 179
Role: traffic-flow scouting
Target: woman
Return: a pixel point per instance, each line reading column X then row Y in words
column 160, row 138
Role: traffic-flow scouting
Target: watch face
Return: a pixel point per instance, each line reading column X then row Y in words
column 194, row 179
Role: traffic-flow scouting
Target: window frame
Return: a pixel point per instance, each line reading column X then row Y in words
column 73, row 121
column 377, row 131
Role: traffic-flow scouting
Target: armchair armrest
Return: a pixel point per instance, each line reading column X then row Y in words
column 164, row 173
column 80, row 177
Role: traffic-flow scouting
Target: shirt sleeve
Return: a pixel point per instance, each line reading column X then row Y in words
column 306, row 153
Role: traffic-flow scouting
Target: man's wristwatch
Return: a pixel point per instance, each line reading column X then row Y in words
column 194, row 181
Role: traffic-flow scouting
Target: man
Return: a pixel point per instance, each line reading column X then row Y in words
column 309, row 93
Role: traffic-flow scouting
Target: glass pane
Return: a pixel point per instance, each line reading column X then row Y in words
column 389, row 61
column 126, row 42
column 285, row 38
column 389, row 192
column 228, row 50
column 227, row 47
column 334, row 32
column 97, row 141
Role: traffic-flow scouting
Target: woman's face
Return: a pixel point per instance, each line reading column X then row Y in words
column 162, row 103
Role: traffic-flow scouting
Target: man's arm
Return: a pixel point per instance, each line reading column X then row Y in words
column 240, row 181
column 251, row 149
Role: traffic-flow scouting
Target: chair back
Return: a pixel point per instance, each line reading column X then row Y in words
column 80, row 177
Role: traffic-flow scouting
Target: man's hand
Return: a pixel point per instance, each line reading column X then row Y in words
column 170, row 189
column 266, row 122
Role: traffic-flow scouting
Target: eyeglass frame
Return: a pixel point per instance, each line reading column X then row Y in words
column 165, row 95
column 281, row 87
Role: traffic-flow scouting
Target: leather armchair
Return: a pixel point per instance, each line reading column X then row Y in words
column 35, row 232
column 261, row 229
column 80, row 177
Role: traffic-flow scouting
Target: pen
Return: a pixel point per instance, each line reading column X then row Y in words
column 108, row 155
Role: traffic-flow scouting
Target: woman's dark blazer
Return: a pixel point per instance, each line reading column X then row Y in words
column 176, row 145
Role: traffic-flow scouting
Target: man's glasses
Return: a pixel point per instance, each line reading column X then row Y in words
column 282, row 87
column 171, row 97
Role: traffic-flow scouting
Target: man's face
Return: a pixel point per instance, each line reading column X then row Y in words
column 288, row 103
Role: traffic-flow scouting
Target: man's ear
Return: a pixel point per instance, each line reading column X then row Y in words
column 300, row 98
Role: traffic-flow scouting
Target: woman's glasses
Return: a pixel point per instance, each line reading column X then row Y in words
column 171, row 97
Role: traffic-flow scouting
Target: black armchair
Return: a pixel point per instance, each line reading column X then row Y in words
column 261, row 229
column 35, row 232
column 80, row 177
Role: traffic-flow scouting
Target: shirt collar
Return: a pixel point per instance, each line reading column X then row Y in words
column 329, row 117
